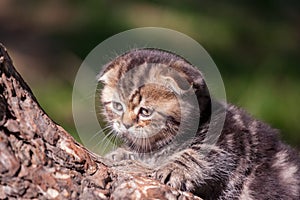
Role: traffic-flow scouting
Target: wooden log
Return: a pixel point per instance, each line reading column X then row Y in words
column 40, row 160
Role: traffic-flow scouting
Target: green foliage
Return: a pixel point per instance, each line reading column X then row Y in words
column 255, row 44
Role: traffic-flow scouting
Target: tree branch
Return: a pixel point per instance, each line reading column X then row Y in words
column 39, row 159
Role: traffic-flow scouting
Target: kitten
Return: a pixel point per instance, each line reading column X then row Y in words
column 159, row 106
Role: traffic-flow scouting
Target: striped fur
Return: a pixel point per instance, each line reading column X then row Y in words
column 248, row 161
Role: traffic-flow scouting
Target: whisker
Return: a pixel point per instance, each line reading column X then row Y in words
column 150, row 146
column 106, row 140
column 95, row 135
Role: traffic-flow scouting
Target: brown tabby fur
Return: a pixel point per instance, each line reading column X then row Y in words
column 248, row 161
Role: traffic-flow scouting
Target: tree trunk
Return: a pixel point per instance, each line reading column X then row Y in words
column 40, row 160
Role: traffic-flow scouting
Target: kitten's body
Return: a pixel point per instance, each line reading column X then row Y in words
column 248, row 161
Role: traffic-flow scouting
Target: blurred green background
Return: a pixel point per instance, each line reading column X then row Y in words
column 255, row 44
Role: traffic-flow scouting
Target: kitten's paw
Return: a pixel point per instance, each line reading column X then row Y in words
column 119, row 155
column 175, row 176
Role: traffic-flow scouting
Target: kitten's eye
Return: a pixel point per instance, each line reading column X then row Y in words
column 117, row 106
column 144, row 112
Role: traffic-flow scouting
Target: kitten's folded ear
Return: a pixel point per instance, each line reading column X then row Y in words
column 183, row 82
column 102, row 78
column 176, row 83
column 108, row 75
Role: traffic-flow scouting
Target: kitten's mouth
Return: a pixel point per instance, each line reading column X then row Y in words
column 147, row 144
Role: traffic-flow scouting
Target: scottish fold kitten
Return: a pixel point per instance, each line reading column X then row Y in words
column 159, row 106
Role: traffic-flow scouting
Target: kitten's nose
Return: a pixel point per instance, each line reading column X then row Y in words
column 128, row 119
column 127, row 126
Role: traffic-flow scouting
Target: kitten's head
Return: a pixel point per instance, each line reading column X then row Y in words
column 146, row 97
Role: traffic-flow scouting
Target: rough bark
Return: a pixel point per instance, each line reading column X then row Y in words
column 40, row 160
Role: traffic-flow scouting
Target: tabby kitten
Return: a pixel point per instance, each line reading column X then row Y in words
column 154, row 100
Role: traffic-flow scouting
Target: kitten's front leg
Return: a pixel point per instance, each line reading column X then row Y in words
column 181, row 170
column 175, row 175
column 189, row 169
